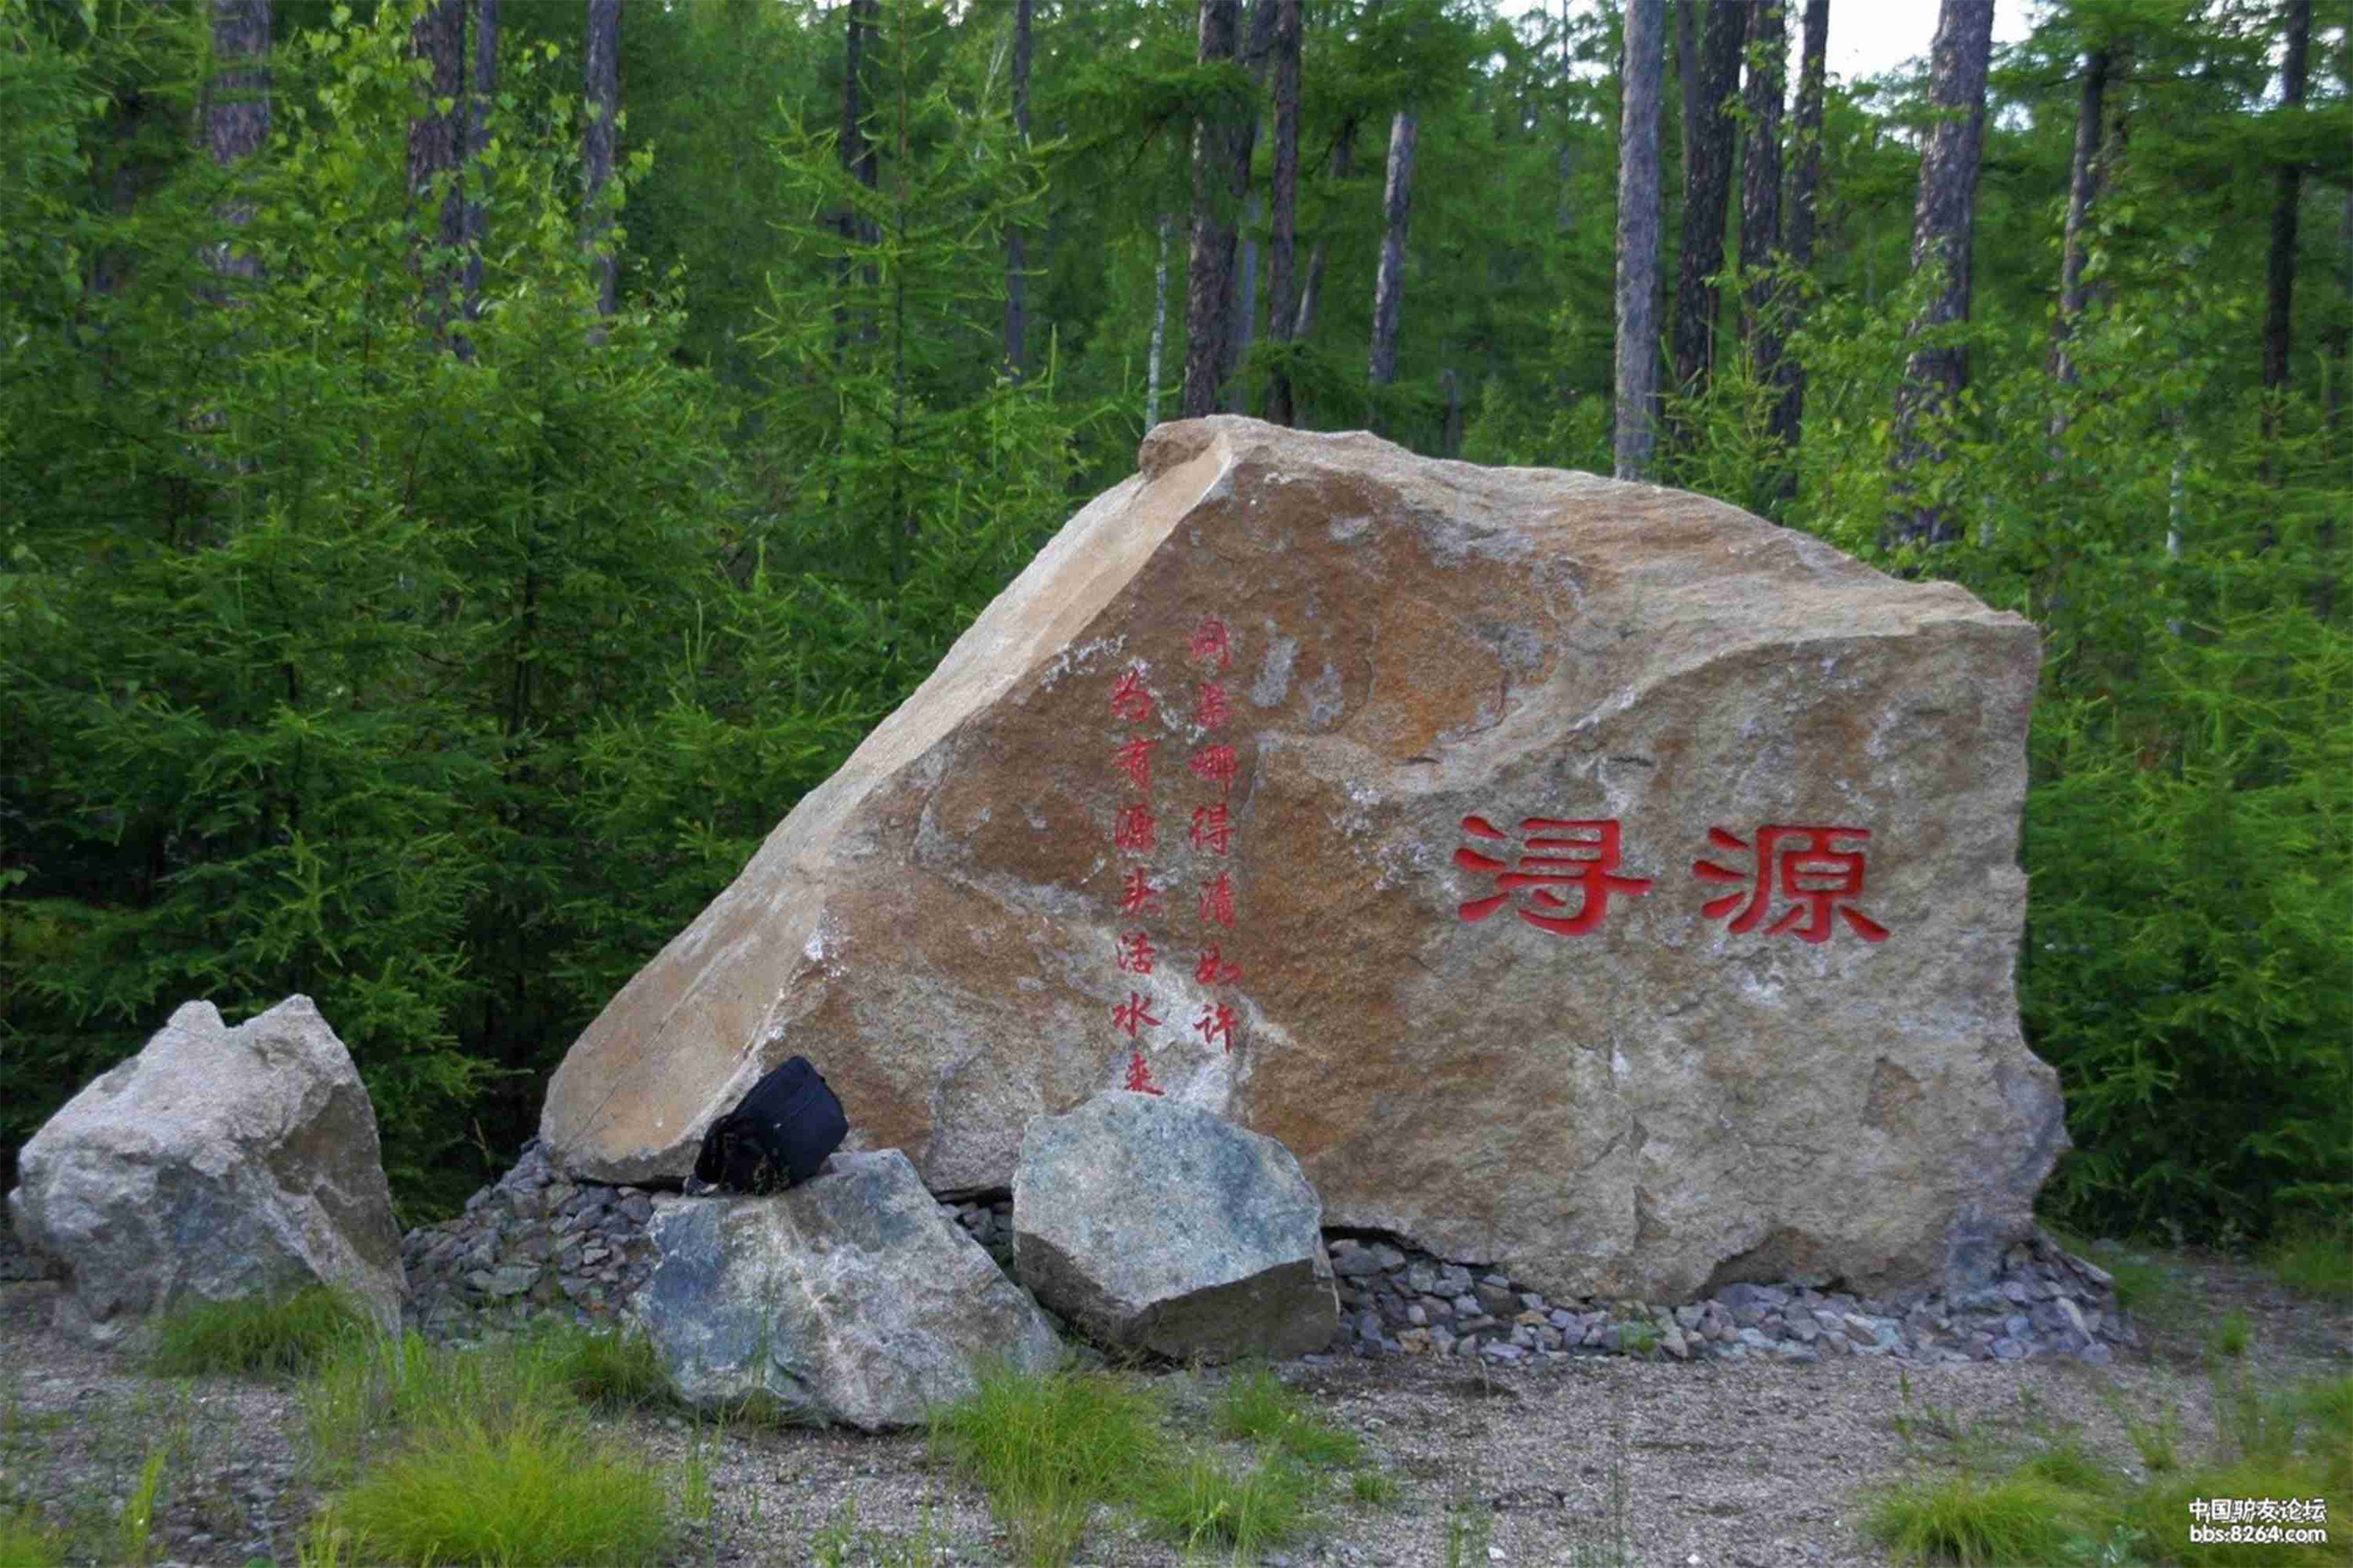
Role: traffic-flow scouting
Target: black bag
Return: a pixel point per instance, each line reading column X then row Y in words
column 778, row 1137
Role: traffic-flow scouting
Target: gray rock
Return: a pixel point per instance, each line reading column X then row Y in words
column 1748, row 1304
column 1225, row 1259
column 1389, row 1258
column 1452, row 1280
column 1350, row 1261
column 847, row 1299
column 217, row 1163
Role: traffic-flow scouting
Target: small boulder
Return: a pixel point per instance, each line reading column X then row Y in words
column 1163, row 1228
column 217, row 1163
column 849, row 1299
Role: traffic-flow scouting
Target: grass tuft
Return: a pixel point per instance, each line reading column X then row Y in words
column 1200, row 1504
column 532, row 1491
column 606, row 1370
column 2233, row 1335
column 1048, row 1447
column 2313, row 1262
column 267, row 1336
column 1258, row 1408
column 1979, row 1523
column 27, row 1540
column 1374, row 1489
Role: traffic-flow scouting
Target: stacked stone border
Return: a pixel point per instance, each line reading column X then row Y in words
column 538, row 1244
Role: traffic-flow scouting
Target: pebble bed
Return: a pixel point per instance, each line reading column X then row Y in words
column 538, row 1244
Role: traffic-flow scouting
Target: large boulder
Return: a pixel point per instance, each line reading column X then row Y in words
column 849, row 1300
column 217, row 1163
column 1163, row 1228
column 1603, row 882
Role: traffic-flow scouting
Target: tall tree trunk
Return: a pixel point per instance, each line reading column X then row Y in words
column 602, row 86
column 1707, row 186
column 1344, row 163
column 1760, row 188
column 237, row 110
column 1943, row 224
column 1016, row 317
column 2280, row 275
column 1388, row 291
column 1687, row 73
column 1257, row 51
column 1210, row 274
column 1241, row 306
column 436, row 147
column 1283, row 198
column 482, row 90
column 1159, row 327
column 1805, row 188
column 2083, row 190
column 1640, row 220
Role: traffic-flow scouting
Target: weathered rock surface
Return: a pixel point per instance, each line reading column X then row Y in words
column 1163, row 1227
column 216, row 1164
column 849, row 1299
column 1652, row 1068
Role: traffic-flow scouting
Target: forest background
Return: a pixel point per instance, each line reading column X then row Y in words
column 466, row 471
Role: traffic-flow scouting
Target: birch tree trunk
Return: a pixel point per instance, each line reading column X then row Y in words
column 1159, row 327
column 603, row 89
column 1639, row 225
column 1943, row 227
column 1388, row 292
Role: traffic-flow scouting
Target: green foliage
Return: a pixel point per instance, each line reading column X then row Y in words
column 1200, row 1503
column 1256, row 1406
column 27, row 1540
column 267, row 1336
column 1962, row 1519
column 2314, row 1261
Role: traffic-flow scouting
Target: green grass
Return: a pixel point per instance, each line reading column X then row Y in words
column 1374, row 1489
column 534, row 1492
column 28, row 1542
column 1470, row 1524
column 2314, row 1263
column 607, row 1371
column 1047, row 1448
column 1257, row 1406
column 2233, row 1335
column 134, row 1531
column 270, row 1336
column 1200, row 1504
column 1979, row 1524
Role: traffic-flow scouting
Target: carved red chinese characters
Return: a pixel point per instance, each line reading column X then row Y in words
column 1784, row 854
column 1560, row 852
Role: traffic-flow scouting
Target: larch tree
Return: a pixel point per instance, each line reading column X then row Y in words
column 1388, row 290
column 1282, row 198
column 2082, row 191
column 1017, row 319
column 602, row 72
column 1210, row 274
column 437, row 140
column 1707, row 188
column 1760, row 188
column 1640, row 223
column 1944, row 225
column 1256, row 53
column 1788, row 420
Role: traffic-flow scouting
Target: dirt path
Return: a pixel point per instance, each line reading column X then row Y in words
column 1735, row 1464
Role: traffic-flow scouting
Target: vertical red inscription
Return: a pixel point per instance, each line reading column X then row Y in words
column 1129, row 700
column 1134, row 829
column 1136, row 952
column 1214, row 765
column 1213, row 969
column 1132, row 1014
column 1216, row 1023
column 1133, row 757
column 1211, row 644
column 1136, row 894
column 1211, row 830
column 1580, row 852
column 1212, row 709
column 1217, row 900
column 1785, row 853
column 1139, row 1077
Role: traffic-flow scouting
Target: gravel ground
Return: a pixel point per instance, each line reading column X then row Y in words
column 1720, row 1463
